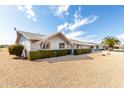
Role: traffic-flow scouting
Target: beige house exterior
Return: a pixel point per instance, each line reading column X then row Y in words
column 56, row 41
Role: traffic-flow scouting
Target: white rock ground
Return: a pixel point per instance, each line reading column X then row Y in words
column 90, row 70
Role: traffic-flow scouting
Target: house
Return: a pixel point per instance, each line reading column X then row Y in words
column 35, row 41
column 82, row 45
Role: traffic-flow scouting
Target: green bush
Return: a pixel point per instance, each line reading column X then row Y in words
column 16, row 49
column 63, row 52
column 40, row 54
column 1, row 46
column 81, row 51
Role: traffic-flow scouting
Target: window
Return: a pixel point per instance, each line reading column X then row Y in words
column 77, row 46
column 46, row 46
column 61, row 45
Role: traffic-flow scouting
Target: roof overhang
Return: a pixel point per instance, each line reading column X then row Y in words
column 19, row 32
column 58, row 34
column 18, row 37
column 54, row 35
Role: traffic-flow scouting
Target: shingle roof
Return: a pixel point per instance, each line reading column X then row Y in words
column 31, row 36
column 36, row 36
column 81, row 42
column 75, row 41
column 55, row 34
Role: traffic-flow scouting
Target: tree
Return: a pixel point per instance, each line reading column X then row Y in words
column 16, row 50
column 110, row 42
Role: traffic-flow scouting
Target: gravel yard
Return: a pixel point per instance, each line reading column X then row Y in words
column 89, row 70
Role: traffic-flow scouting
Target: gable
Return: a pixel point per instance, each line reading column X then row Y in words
column 58, row 35
column 31, row 36
column 57, row 39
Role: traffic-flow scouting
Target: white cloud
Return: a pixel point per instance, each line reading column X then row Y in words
column 121, row 37
column 87, row 40
column 90, row 36
column 91, row 19
column 67, row 13
column 77, row 13
column 28, row 10
column 81, row 21
column 81, row 36
column 60, row 10
column 62, row 26
column 34, row 19
column 20, row 8
column 75, row 34
column 78, row 22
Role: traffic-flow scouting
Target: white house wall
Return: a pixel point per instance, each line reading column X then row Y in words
column 54, row 42
column 101, row 47
column 35, row 46
column 85, row 46
column 25, row 43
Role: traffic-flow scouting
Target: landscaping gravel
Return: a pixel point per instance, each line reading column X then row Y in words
column 89, row 70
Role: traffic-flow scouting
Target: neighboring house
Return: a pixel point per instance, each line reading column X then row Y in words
column 33, row 41
column 122, row 46
column 82, row 45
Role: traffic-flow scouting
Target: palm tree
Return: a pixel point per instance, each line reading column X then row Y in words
column 110, row 42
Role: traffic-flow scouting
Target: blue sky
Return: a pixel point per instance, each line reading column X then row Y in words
column 82, row 22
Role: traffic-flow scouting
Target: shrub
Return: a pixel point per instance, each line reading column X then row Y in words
column 81, row 51
column 63, row 52
column 40, row 54
column 1, row 46
column 16, row 49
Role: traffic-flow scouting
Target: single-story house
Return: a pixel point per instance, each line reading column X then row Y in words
column 56, row 41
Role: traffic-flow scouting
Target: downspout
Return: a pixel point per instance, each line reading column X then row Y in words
column 72, row 49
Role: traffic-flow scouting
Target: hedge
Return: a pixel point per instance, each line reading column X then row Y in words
column 16, row 49
column 81, row 51
column 40, row 54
